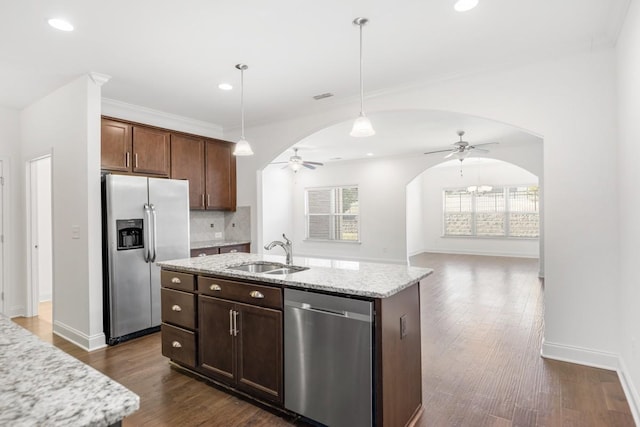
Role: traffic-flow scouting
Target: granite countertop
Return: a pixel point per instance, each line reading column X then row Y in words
column 343, row 277
column 42, row 385
column 217, row 243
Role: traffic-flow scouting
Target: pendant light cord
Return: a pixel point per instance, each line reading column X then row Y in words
column 361, row 80
column 242, row 103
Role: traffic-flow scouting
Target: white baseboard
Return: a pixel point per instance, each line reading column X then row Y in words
column 481, row 253
column 45, row 297
column 16, row 311
column 580, row 355
column 597, row 359
column 82, row 340
column 630, row 391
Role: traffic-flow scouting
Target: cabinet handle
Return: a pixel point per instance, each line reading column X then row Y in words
column 176, row 344
column 135, row 156
column 256, row 294
column 235, row 323
column 126, row 159
column 231, row 322
column 215, row 287
column 203, row 200
column 208, row 200
column 202, row 254
column 176, row 280
column 233, row 251
column 176, row 307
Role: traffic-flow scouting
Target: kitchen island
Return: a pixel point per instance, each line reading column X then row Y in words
column 223, row 319
column 42, row 385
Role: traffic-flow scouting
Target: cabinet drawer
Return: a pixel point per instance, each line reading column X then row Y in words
column 204, row 252
column 264, row 296
column 178, row 308
column 179, row 345
column 181, row 281
column 234, row 248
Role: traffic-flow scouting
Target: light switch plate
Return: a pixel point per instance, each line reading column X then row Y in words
column 218, row 235
column 75, row 231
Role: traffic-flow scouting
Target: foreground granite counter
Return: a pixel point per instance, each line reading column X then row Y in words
column 365, row 279
column 42, row 385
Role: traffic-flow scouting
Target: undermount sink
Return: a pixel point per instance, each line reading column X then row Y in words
column 267, row 267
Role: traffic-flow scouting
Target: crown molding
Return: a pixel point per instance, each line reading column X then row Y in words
column 136, row 113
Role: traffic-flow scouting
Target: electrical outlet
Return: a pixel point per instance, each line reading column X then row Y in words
column 75, row 231
column 211, row 225
column 218, row 235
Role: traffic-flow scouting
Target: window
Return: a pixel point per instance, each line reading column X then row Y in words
column 500, row 212
column 332, row 213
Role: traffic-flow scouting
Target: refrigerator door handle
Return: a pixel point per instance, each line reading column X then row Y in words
column 147, row 233
column 155, row 231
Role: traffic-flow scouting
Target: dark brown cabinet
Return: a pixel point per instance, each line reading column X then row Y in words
column 115, row 146
column 135, row 149
column 215, row 250
column 241, row 345
column 187, row 162
column 178, row 307
column 151, row 151
column 220, row 175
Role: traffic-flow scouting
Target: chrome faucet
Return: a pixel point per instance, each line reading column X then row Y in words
column 286, row 246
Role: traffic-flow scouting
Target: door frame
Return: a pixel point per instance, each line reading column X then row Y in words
column 33, row 288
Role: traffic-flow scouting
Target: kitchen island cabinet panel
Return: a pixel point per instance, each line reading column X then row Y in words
column 178, row 308
column 187, row 162
column 216, row 341
column 260, row 352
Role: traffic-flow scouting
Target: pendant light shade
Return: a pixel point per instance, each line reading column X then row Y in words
column 362, row 126
column 242, row 146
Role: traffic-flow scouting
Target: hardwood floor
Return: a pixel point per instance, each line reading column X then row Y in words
column 482, row 324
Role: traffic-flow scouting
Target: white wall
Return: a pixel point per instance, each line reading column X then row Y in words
column 415, row 217
column 14, row 274
column 277, row 196
column 629, row 176
column 569, row 102
column 498, row 173
column 66, row 123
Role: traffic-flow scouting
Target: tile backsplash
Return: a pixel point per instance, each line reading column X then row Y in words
column 215, row 225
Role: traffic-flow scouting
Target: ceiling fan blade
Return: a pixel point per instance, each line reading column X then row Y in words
column 484, row 143
column 450, row 154
column 308, row 166
column 278, row 163
column 438, row 151
column 314, row 163
column 480, row 150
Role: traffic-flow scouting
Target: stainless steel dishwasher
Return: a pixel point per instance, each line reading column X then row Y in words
column 328, row 346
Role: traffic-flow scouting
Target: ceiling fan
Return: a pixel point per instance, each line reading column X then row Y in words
column 295, row 162
column 461, row 149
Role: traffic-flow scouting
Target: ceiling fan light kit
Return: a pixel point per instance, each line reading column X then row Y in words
column 465, row 5
column 362, row 125
column 242, row 146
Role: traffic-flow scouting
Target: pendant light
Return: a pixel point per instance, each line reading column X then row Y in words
column 362, row 125
column 242, row 147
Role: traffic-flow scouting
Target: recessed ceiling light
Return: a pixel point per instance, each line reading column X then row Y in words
column 464, row 5
column 369, row 154
column 60, row 24
column 225, row 86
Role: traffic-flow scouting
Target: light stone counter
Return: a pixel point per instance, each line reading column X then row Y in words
column 342, row 277
column 42, row 385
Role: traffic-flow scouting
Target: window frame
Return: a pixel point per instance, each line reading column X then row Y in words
column 332, row 215
column 507, row 213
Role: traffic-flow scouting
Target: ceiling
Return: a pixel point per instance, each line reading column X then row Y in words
column 170, row 55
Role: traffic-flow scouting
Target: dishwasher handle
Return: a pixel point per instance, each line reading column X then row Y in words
column 327, row 311
column 305, row 306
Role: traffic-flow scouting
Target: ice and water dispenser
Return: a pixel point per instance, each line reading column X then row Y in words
column 130, row 234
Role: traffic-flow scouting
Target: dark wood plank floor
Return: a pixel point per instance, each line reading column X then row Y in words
column 482, row 324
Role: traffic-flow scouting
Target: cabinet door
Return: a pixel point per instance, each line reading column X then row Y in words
column 235, row 248
column 216, row 340
column 259, row 343
column 220, row 173
column 115, row 146
column 151, row 151
column 187, row 162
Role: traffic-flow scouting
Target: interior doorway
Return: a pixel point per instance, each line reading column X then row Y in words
column 40, row 237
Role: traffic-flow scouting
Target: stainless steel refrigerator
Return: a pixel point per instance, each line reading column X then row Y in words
column 145, row 220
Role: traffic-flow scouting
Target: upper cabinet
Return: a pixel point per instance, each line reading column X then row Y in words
column 208, row 164
column 134, row 149
column 116, row 146
column 220, row 175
